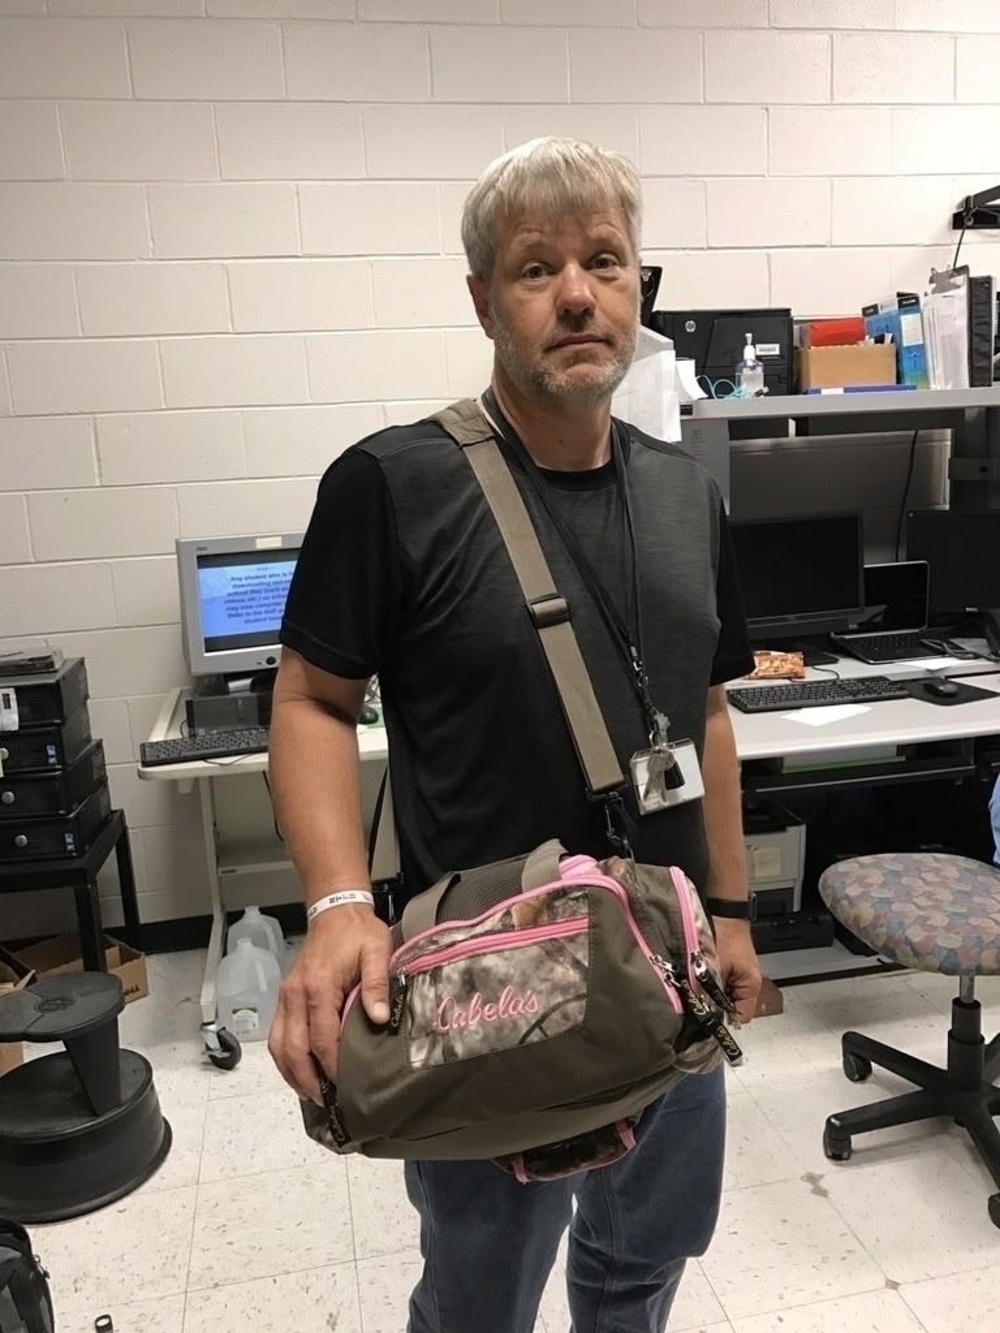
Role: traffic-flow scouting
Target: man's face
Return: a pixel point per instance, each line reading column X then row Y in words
column 562, row 306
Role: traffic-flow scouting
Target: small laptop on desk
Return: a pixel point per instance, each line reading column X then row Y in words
column 894, row 626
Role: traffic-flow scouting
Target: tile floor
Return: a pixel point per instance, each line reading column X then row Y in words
column 249, row 1226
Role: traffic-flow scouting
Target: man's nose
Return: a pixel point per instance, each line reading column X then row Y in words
column 576, row 295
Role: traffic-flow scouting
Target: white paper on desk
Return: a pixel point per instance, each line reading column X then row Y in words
column 822, row 717
column 933, row 663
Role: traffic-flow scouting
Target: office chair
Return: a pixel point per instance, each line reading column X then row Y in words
column 935, row 913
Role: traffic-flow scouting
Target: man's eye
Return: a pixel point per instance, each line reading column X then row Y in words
column 605, row 261
column 533, row 271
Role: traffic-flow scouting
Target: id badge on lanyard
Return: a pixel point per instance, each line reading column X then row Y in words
column 667, row 773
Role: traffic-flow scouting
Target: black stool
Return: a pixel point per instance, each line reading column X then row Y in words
column 80, row 874
column 82, row 1128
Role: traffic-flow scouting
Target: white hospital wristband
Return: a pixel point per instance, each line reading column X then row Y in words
column 342, row 899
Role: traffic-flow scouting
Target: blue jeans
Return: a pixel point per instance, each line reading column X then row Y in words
column 489, row 1242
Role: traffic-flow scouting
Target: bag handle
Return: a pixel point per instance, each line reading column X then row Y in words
column 542, row 866
column 420, row 913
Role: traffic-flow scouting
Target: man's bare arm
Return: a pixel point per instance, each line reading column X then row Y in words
column 727, row 874
column 316, row 788
column 315, row 778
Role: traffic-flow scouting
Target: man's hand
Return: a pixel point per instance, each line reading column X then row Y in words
column 342, row 945
column 741, row 977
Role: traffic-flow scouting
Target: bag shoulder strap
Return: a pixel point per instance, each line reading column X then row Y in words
column 469, row 428
column 550, row 613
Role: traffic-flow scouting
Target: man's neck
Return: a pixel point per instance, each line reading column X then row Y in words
column 566, row 441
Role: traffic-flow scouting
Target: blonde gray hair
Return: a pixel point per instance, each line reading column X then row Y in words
column 554, row 177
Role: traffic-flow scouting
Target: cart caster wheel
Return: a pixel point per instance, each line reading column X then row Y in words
column 230, row 1051
column 857, row 1068
column 837, row 1147
column 994, row 1206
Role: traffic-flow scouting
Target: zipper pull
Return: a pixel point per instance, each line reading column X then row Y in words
column 331, row 1104
column 397, row 1001
column 708, row 983
column 731, row 1048
column 666, row 969
column 710, row 1020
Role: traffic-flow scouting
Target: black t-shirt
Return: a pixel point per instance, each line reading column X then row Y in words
column 403, row 574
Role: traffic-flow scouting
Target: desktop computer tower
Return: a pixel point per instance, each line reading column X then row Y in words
column 54, row 796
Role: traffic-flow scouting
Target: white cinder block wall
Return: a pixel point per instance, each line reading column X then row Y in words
column 229, row 247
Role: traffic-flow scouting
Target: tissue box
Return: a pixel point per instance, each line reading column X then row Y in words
column 839, row 367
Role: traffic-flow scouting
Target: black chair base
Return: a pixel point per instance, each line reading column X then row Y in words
column 964, row 1091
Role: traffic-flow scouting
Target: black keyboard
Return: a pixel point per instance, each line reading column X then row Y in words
column 210, row 745
column 886, row 646
column 817, row 694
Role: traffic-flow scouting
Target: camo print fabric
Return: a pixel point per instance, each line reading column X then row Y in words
column 926, row 910
column 515, row 993
column 543, row 908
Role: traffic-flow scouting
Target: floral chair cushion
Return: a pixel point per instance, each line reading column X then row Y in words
column 925, row 910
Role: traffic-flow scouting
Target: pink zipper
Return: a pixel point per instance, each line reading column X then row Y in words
column 692, row 940
column 584, row 868
column 499, row 943
column 572, row 869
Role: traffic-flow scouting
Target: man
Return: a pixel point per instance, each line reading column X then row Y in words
column 403, row 573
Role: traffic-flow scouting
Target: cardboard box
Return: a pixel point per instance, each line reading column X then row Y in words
column 13, row 976
column 839, row 367
column 62, row 953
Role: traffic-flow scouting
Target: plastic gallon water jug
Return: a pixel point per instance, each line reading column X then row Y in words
column 247, row 991
column 263, row 930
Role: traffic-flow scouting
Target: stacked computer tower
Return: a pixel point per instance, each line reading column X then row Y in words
column 54, row 797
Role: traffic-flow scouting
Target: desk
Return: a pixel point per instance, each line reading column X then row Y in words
column 758, row 737
column 227, row 855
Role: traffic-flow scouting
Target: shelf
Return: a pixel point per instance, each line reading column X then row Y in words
column 259, row 856
column 846, row 404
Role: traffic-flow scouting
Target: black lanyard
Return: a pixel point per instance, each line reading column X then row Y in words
column 626, row 631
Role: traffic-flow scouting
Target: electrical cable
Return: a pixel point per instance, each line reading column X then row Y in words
column 961, row 238
column 274, row 814
column 906, row 492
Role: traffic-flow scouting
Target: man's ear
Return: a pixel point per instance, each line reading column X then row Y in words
column 480, row 294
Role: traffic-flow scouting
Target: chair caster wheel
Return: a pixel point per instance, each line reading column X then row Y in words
column 837, row 1147
column 994, row 1207
column 222, row 1048
column 856, row 1067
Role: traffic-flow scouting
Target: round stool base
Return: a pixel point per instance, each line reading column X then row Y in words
column 58, row 1159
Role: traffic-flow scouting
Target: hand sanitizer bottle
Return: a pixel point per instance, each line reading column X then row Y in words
column 749, row 373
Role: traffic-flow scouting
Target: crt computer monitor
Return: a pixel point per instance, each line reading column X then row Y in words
column 963, row 551
column 800, row 576
column 233, row 592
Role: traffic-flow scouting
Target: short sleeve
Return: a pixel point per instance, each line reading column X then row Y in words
column 343, row 605
column 733, row 655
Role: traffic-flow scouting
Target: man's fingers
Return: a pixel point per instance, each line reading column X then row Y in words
column 323, row 1028
column 288, row 1043
column 375, row 979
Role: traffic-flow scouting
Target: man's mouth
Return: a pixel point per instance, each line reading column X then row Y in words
column 579, row 340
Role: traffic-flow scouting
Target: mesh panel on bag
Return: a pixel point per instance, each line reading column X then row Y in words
column 482, row 888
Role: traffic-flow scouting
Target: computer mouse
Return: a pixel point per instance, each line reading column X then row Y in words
column 369, row 714
column 941, row 689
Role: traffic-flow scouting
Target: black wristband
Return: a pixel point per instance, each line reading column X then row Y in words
column 734, row 909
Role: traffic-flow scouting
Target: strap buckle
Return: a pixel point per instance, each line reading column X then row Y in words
column 549, row 609
column 618, row 826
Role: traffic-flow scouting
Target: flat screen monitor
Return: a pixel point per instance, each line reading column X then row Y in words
column 963, row 551
column 896, row 596
column 233, row 592
column 800, row 576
